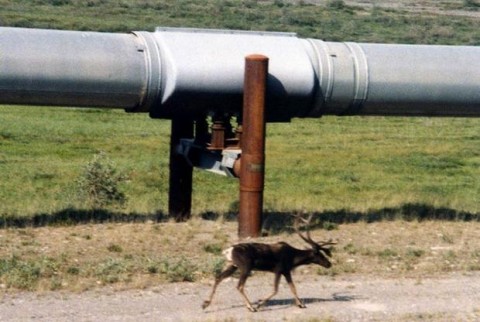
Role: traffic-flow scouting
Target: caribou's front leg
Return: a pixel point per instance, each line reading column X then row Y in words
column 288, row 277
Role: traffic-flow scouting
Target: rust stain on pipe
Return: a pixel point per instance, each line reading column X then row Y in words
column 252, row 165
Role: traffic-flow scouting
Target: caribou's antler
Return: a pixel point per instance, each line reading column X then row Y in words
column 327, row 243
column 308, row 239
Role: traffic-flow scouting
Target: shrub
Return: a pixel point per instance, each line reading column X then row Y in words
column 114, row 248
column 336, row 4
column 214, row 248
column 387, row 253
column 113, row 270
column 20, row 274
column 181, row 270
column 99, row 183
column 471, row 5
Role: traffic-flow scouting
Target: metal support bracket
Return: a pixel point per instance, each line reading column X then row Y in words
column 220, row 162
column 240, row 154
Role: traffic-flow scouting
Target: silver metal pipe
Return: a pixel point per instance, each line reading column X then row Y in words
column 173, row 72
column 71, row 68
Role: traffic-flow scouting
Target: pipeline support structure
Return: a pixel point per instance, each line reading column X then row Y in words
column 191, row 75
column 252, row 160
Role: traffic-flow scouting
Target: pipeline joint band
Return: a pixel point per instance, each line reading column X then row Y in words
column 153, row 81
column 361, row 81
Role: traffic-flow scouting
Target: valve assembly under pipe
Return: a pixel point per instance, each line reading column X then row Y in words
column 191, row 72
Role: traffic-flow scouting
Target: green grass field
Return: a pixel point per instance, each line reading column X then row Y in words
column 333, row 20
column 353, row 163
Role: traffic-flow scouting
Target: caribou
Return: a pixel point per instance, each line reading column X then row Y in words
column 279, row 258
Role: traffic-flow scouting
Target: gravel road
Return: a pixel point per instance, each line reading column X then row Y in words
column 453, row 297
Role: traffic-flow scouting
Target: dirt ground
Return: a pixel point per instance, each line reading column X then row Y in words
column 425, row 7
column 453, row 297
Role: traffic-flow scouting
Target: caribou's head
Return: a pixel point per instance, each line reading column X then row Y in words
column 321, row 253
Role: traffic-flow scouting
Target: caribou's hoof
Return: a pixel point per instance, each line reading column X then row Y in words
column 259, row 305
column 252, row 309
column 301, row 305
column 205, row 304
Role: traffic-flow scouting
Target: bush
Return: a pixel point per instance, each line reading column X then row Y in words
column 336, row 4
column 213, row 248
column 99, row 183
column 18, row 273
column 471, row 5
column 181, row 270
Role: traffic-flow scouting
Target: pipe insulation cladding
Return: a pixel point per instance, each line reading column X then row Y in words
column 191, row 72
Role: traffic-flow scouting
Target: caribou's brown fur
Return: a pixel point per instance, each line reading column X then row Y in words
column 279, row 258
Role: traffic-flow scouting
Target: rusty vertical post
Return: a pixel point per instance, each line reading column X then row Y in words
column 218, row 134
column 252, row 162
column 180, row 189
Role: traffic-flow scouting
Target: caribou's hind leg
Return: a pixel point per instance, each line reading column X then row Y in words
column 220, row 277
column 241, row 286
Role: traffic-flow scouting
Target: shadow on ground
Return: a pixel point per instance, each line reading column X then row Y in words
column 72, row 216
column 279, row 304
column 273, row 221
column 311, row 300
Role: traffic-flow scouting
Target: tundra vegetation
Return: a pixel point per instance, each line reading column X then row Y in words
column 401, row 194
